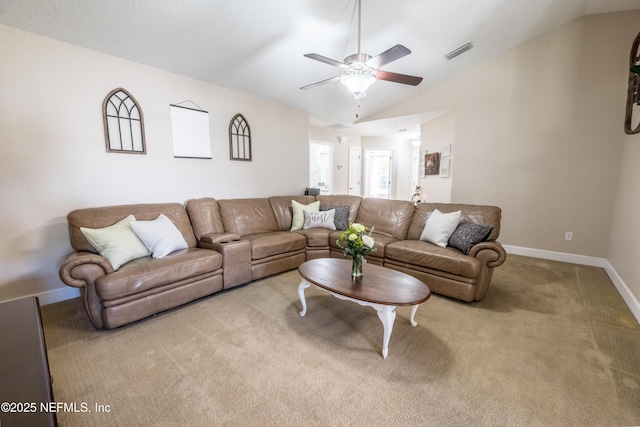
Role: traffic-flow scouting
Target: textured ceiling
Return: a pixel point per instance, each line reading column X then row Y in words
column 257, row 46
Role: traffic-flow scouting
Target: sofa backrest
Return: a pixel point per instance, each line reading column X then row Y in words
column 247, row 216
column 106, row 216
column 205, row 216
column 477, row 214
column 283, row 210
column 389, row 217
column 353, row 202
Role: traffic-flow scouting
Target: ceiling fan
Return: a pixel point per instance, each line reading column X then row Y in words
column 360, row 70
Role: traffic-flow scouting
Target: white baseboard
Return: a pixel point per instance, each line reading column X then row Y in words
column 557, row 256
column 52, row 296
column 629, row 298
column 625, row 292
column 57, row 295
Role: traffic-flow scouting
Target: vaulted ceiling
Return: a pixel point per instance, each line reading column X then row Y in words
column 257, row 46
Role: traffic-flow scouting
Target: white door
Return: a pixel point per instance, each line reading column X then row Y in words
column 355, row 166
column 378, row 173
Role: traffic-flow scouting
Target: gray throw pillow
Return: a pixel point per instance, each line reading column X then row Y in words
column 341, row 217
column 468, row 234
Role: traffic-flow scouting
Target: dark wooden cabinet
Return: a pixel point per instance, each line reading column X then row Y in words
column 25, row 381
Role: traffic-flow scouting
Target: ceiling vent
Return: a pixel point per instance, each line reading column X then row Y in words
column 458, row 51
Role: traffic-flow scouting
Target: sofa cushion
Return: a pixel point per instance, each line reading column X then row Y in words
column 428, row 255
column 468, row 234
column 389, row 217
column 476, row 214
column 353, row 202
column 324, row 219
column 380, row 243
column 341, row 216
column 316, row 237
column 109, row 215
column 160, row 236
column 439, row 227
column 146, row 273
column 264, row 245
column 118, row 243
column 247, row 216
column 205, row 216
column 283, row 210
column 298, row 213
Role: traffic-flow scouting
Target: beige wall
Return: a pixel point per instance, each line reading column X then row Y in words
column 624, row 243
column 538, row 132
column 53, row 160
column 435, row 135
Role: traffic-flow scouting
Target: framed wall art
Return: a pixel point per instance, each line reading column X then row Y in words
column 239, row 138
column 123, row 123
column 190, row 131
column 432, row 164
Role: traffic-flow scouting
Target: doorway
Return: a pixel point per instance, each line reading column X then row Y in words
column 378, row 173
column 320, row 166
column 355, row 166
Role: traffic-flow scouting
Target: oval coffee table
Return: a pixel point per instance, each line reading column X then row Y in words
column 381, row 288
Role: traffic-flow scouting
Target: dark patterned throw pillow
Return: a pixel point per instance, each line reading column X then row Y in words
column 341, row 218
column 468, row 234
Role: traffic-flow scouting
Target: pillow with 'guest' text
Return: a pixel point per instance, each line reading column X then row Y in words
column 320, row 219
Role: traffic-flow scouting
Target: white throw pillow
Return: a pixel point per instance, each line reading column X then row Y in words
column 440, row 226
column 117, row 243
column 298, row 215
column 322, row 219
column 160, row 236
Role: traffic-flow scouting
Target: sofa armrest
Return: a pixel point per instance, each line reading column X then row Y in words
column 82, row 268
column 490, row 253
column 217, row 238
column 236, row 260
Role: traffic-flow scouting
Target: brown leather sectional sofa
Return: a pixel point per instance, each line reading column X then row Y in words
column 235, row 241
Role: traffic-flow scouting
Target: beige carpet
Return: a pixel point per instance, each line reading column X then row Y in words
column 551, row 344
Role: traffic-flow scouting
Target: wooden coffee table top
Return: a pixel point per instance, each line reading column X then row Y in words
column 378, row 284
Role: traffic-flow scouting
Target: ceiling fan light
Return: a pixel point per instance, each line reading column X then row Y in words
column 357, row 83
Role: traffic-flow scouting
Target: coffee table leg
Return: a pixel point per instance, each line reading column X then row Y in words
column 387, row 316
column 413, row 314
column 301, row 287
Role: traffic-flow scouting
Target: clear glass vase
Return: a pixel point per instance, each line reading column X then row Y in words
column 356, row 266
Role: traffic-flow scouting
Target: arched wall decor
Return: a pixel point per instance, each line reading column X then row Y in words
column 123, row 123
column 239, row 138
column 633, row 90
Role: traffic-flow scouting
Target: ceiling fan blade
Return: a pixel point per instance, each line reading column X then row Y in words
column 320, row 83
column 325, row 60
column 398, row 78
column 389, row 55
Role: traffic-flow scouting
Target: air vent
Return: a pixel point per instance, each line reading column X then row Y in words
column 458, row 51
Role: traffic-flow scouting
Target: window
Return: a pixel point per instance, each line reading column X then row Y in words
column 239, row 138
column 123, row 123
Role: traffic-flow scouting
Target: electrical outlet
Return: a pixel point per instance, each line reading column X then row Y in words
column 568, row 235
